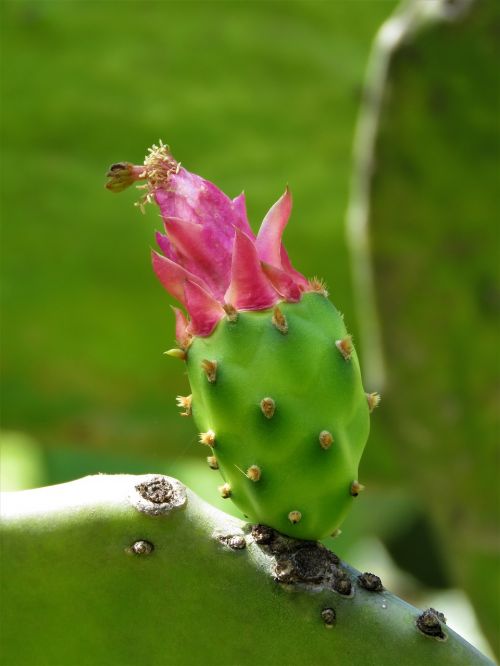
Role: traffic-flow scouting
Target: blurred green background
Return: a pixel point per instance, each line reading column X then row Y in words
column 254, row 95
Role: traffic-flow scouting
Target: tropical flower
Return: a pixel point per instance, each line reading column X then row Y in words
column 210, row 259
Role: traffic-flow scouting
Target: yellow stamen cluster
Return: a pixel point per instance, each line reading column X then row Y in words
column 158, row 166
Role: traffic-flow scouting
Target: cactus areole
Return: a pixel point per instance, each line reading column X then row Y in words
column 276, row 387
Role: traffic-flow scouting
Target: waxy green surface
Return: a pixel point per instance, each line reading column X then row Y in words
column 314, row 389
column 73, row 593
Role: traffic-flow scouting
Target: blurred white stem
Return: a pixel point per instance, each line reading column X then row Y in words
column 408, row 18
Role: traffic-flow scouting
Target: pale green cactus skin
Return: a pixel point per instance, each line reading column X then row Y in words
column 314, row 389
column 75, row 593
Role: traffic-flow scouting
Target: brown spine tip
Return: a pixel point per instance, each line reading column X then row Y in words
column 207, row 438
column 325, row 439
column 254, row 473
column 268, row 407
column 231, row 312
column 212, row 462
column 176, row 353
column 356, row 488
column 373, row 400
column 184, row 402
column 345, row 347
column 225, row 491
column 294, row 517
column 319, row 286
column 210, row 370
column 279, row 321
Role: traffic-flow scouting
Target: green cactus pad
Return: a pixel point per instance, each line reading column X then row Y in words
column 286, row 413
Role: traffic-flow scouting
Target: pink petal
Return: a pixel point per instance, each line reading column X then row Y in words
column 297, row 277
column 181, row 327
column 249, row 289
column 197, row 255
column 166, row 246
column 268, row 241
column 187, row 196
column 282, row 282
column 203, row 309
column 241, row 219
column 172, row 276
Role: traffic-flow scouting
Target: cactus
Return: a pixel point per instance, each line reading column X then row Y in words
column 123, row 570
column 276, row 386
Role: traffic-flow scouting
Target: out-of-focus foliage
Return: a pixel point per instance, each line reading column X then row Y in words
column 436, row 248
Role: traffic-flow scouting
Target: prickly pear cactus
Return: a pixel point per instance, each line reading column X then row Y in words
column 276, row 386
column 146, row 562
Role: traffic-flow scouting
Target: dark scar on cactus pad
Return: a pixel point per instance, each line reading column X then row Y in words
column 233, row 541
column 370, row 582
column 158, row 491
column 158, row 495
column 429, row 623
column 329, row 616
column 301, row 562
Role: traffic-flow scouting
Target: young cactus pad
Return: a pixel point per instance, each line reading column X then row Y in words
column 276, row 387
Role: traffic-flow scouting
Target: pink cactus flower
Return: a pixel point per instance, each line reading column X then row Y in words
column 211, row 261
